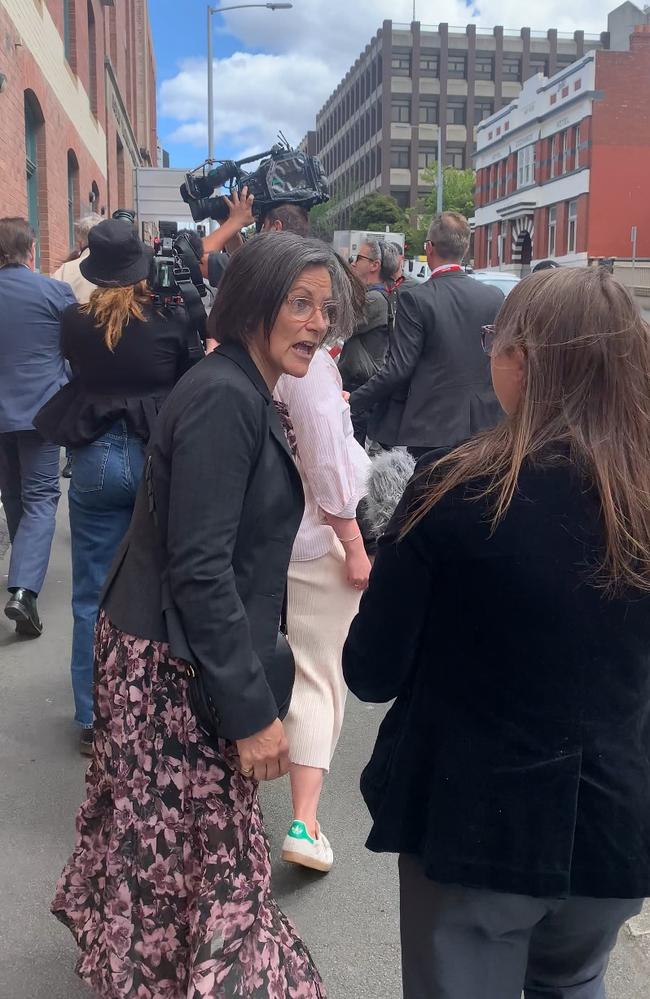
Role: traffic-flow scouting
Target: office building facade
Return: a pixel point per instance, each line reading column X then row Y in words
column 380, row 127
column 77, row 112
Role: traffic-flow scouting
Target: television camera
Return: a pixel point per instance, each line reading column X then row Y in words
column 176, row 280
column 285, row 176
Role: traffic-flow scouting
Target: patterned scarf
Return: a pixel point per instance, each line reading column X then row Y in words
column 287, row 426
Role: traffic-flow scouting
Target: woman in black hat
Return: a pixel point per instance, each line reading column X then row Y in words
column 125, row 355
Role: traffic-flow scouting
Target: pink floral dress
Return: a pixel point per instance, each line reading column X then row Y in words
column 168, row 890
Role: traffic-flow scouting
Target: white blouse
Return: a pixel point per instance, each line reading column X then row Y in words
column 333, row 466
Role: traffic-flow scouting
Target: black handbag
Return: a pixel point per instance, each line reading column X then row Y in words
column 280, row 672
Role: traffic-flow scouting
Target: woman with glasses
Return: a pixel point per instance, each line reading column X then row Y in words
column 168, row 890
column 509, row 615
column 329, row 570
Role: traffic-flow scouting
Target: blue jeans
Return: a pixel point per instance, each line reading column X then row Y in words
column 105, row 478
column 29, row 484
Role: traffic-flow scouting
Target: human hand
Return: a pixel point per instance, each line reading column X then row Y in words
column 346, row 396
column 265, row 755
column 240, row 208
column 357, row 567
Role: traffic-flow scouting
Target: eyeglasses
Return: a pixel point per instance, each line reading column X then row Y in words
column 304, row 310
column 361, row 256
column 488, row 334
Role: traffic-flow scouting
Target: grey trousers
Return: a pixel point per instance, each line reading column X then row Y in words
column 29, row 485
column 467, row 943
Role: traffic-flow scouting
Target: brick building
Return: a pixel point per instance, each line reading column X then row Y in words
column 77, row 111
column 380, row 127
column 563, row 172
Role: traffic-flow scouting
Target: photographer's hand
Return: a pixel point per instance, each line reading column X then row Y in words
column 241, row 215
column 240, row 208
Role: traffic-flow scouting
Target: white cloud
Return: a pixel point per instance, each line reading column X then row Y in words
column 305, row 53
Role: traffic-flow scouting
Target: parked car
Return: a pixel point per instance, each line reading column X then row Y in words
column 503, row 280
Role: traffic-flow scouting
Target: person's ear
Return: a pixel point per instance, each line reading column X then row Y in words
column 31, row 260
column 277, row 226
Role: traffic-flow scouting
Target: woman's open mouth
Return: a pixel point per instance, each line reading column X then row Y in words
column 304, row 348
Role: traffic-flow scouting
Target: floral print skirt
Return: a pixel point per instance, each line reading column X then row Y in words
column 168, row 890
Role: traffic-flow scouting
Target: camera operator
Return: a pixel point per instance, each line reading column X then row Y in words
column 126, row 354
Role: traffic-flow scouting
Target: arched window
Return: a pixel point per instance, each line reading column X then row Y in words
column 92, row 59
column 69, row 33
column 74, row 207
column 94, row 196
column 34, row 165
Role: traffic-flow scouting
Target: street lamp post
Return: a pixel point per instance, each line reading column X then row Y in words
column 222, row 10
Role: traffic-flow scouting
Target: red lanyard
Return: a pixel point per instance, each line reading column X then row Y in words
column 445, row 269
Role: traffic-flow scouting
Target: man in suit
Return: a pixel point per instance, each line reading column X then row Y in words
column 435, row 389
column 32, row 369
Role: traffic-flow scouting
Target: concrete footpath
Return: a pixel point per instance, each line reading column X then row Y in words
column 349, row 918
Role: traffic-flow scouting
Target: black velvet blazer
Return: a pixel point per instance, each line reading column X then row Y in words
column 517, row 754
column 209, row 577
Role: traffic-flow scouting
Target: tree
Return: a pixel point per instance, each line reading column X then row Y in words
column 376, row 211
column 457, row 190
column 323, row 220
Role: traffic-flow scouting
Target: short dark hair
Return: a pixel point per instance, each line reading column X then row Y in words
column 294, row 219
column 16, row 241
column 259, row 277
column 450, row 234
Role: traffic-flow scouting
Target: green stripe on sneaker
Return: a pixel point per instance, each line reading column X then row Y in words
column 298, row 830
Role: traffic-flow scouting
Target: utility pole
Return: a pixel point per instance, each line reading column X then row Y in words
column 439, row 180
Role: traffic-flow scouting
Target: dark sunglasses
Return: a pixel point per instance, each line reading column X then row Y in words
column 488, row 334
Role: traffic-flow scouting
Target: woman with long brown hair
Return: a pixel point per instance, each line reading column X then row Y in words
column 509, row 615
column 125, row 356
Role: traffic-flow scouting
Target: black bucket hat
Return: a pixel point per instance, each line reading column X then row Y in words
column 117, row 258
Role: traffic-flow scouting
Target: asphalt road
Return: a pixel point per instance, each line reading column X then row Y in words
column 349, row 918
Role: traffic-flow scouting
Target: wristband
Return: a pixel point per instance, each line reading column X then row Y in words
column 347, row 541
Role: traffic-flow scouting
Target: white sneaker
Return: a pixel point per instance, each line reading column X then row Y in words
column 301, row 848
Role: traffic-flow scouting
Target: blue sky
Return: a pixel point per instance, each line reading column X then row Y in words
column 275, row 70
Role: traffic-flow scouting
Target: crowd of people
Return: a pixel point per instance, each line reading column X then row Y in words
column 251, row 538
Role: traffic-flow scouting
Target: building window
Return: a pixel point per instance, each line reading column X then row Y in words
column 571, row 228
column 455, row 157
column 552, row 231
column 69, row 32
column 401, row 197
column 482, row 109
column 427, row 158
column 566, row 149
column 456, row 66
column 554, row 155
column 500, row 173
column 489, row 246
column 401, row 64
column 484, row 67
column 400, row 111
column 526, row 166
column 74, row 209
column 538, row 65
column 429, row 64
column 400, row 157
column 33, row 126
column 576, row 161
column 512, row 68
column 456, row 110
column 92, row 59
column 428, row 112
column 121, row 175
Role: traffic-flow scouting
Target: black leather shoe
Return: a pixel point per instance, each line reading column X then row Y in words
column 66, row 471
column 22, row 609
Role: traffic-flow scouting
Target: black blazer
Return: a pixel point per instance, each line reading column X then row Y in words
column 210, row 576
column 517, row 754
column 435, row 388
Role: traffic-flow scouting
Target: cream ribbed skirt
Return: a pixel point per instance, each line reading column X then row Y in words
column 321, row 606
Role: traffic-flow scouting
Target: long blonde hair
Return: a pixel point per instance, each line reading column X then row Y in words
column 587, row 391
column 111, row 308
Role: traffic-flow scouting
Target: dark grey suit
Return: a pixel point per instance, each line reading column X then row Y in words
column 435, row 388
column 209, row 577
column 32, row 369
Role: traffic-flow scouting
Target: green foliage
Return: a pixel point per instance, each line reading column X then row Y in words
column 457, row 190
column 375, row 212
column 323, row 220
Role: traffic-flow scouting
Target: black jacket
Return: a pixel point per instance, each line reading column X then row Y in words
column 229, row 502
column 435, row 388
column 517, row 754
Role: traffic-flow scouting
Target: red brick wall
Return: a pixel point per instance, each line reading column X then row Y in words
column 58, row 136
column 620, row 155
